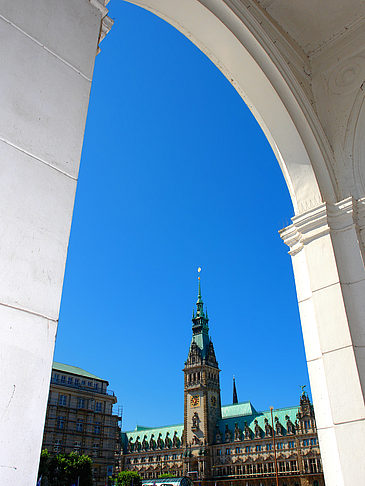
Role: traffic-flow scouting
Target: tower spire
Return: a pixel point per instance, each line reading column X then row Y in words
column 235, row 399
column 200, row 300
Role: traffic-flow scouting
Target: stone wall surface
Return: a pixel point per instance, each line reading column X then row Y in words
column 47, row 51
column 300, row 69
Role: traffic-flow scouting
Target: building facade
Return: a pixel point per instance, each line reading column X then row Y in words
column 80, row 418
column 231, row 444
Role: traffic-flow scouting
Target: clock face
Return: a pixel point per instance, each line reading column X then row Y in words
column 195, row 401
column 213, row 401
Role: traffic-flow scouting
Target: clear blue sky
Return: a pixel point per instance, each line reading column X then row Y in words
column 175, row 174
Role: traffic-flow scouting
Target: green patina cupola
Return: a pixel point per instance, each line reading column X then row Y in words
column 200, row 326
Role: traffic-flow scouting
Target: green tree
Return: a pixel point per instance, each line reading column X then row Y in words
column 65, row 469
column 166, row 475
column 128, row 478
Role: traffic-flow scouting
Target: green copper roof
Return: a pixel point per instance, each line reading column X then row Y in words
column 243, row 408
column 230, row 418
column 74, row 370
column 141, row 431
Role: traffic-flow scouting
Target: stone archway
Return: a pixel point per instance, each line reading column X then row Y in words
column 309, row 104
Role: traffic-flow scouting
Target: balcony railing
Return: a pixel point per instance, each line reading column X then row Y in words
column 78, row 386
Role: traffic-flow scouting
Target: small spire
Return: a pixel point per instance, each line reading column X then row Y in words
column 199, row 289
column 235, row 399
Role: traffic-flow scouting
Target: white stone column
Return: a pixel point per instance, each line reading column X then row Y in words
column 326, row 248
column 47, row 54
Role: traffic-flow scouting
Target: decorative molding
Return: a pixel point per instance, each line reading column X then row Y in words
column 106, row 22
column 100, row 5
column 338, row 38
column 323, row 220
column 295, row 68
column 348, row 76
column 306, row 227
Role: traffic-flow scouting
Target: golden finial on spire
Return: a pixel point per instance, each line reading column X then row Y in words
column 199, row 270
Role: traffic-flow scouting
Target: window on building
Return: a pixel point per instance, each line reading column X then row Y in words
column 77, row 381
column 97, row 428
column 80, row 403
column 150, row 459
column 166, row 458
column 90, row 383
column 228, row 452
column 312, row 465
column 291, row 444
column 95, row 450
column 279, row 445
column 63, row 379
column 313, row 441
column 83, row 382
column 306, row 424
column 306, row 442
column 249, row 468
column 238, row 450
column 98, row 406
column 258, row 448
column 77, row 446
column 70, row 380
column 219, row 452
column 269, row 447
column 56, row 377
column 259, row 469
column 79, row 425
column 158, row 458
column 57, row 445
column 60, row 423
column 174, row 456
column 293, row 466
column 143, row 459
column 62, row 399
column 248, row 449
column 270, row 467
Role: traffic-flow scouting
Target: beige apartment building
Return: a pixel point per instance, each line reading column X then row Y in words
column 80, row 418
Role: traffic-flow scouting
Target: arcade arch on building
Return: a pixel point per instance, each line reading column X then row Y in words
column 301, row 72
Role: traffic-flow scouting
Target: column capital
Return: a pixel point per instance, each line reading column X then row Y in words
column 106, row 22
column 321, row 220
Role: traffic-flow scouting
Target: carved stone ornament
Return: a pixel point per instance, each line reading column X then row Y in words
column 145, row 443
column 348, row 75
column 289, row 425
column 195, row 440
column 175, row 440
column 218, row 436
column 227, row 434
column 278, row 426
column 159, row 441
column 167, row 440
column 195, row 421
column 257, row 430
column 268, row 431
column 130, row 445
column 247, row 431
column 237, row 432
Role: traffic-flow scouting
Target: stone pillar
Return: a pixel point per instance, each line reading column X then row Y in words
column 47, row 50
column 326, row 246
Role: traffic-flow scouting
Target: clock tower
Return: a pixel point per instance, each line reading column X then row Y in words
column 202, row 401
